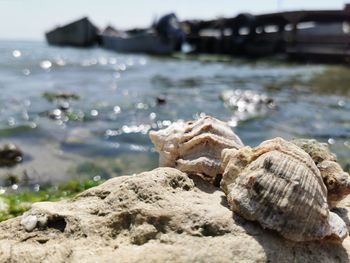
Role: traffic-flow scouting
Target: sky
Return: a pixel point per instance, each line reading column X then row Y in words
column 29, row 19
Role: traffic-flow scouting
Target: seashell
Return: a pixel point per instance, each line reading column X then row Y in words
column 195, row 146
column 279, row 185
column 337, row 181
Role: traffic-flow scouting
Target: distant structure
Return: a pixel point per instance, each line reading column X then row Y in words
column 315, row 34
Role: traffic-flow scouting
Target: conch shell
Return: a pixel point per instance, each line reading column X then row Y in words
column 195, row 146
column 279, row 185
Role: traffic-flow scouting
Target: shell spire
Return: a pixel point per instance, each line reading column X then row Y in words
column 195, row 146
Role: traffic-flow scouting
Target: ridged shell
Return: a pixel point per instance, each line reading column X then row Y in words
column 195, row 146
column 337, row 181
column 278, row 185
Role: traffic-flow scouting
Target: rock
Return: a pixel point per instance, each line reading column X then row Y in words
column 64, row 105
column 161, row 100
column 246, row 100
column 158, row 216
column 10, row 155
column 318, row 151
column 336, row 180
column 52, row 96
column 29, row 222
column 247, row 104
column 55, row 114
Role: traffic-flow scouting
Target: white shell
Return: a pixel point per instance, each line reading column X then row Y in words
column 279, row 185
column 195, row 146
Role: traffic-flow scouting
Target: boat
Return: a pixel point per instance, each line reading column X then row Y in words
column 163, row 38
column 147, row 42
column 80, row 33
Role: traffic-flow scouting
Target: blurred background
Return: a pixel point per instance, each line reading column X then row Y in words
column 78, row 111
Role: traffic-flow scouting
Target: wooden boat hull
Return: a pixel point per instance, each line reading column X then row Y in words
column 81, row 33
column 145, row 43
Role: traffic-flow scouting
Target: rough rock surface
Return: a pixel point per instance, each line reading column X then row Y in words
column 157, row 216
column 336, row 180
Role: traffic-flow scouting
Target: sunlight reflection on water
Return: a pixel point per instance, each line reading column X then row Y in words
column 123, row 97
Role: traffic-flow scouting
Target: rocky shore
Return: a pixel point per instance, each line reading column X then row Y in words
column 158, row 216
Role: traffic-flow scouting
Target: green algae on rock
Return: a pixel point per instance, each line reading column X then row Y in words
column 13, row 204
column 52, row 96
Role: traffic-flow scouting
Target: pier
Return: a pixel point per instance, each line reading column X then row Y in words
column 322, row 35
column 315, row 34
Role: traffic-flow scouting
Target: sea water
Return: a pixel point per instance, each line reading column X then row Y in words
column 122, row 97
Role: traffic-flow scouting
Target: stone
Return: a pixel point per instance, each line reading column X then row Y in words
column 159, row 216
column 336, row 180
column 29, row 222
column 10, row 155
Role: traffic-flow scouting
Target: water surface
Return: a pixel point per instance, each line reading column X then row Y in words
column 105, row 133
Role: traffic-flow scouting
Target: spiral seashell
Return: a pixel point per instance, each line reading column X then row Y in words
column 195, row 146
column 279, row 185
column 337, row 181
